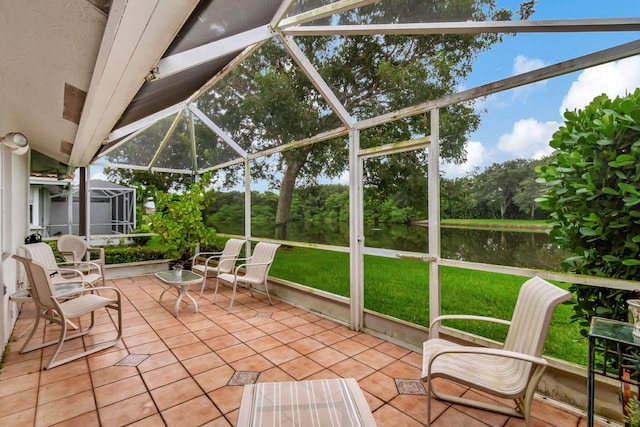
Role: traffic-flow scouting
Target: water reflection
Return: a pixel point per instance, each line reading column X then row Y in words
column 511, row 248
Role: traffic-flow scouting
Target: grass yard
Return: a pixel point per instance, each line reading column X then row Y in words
column 497, row 224
column 400, row 288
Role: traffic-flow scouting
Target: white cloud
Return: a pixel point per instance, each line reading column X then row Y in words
column 476, row 157
column 528, row 139
column 99, row 175
column 615, row 79
column 522, row 64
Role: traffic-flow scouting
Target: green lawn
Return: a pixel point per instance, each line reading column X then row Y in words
column 399, row 288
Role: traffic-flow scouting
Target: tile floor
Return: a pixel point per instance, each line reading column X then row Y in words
column 189, row 371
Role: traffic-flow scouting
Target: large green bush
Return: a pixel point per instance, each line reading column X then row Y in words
column 178, row 219
column 594, row 201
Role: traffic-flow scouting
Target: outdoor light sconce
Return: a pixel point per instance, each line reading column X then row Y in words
column 16, row 141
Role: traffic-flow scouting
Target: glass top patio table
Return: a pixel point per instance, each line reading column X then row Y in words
column 181, row 281
column 185, row 277
column 24, row 295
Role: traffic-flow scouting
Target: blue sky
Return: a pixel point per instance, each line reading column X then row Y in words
column 519, row 123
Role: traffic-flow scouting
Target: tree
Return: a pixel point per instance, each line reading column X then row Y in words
column 458, row 198
column 499, row 184
column 268, row 101
column 526, row 195
column 594, row 199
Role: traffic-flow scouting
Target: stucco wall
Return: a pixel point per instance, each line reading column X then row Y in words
column 14, row 216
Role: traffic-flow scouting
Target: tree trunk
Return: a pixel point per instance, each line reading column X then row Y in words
column 283, row 211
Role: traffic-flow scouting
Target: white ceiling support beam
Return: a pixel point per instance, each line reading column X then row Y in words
column 541, row 26
column 223, row 165
column 317, row 81
column 199, row 55
column 395, row 147
column 335, row 133
column 169, row 170
column 192, row 131
column 323, row 11
column 281, row 12
column 577, row 64
column 120, row 166
column 138, row 167
column 218, row 131
column 165, row 140
column 136, row 35
column 145, row 122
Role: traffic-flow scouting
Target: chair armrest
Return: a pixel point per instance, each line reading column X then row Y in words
column 68, row 255
column 55, row 271
column 92, row 290
column 209, row 254
column 99, row 251
column 83, row 263
column 250, row 263
column 434, row 327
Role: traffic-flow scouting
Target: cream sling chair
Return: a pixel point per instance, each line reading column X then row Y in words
column 214, row 263
column 59, row 309
column 256, row 271
column 65, row 271
column 74, row 249
column 511, row 372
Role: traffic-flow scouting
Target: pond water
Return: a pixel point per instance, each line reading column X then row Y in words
column 511, row 248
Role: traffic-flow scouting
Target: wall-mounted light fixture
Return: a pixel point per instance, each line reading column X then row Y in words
column 18, row 142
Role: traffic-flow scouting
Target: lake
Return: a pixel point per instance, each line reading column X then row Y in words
column 512, row 248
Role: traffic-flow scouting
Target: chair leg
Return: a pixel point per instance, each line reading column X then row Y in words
column 266, row 289
column 204, row 282
column 429, row 402
column 499, row 409
column 61, row 340
column 215, row 292
column 233, row 295
column 36, row 322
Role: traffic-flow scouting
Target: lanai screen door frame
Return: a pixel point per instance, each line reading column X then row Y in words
column 357, row 248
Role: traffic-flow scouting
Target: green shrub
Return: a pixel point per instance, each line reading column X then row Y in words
column 125, row 254
column 594, row 199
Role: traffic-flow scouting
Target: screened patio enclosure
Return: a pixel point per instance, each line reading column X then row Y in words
column 290, row 92
column 53, row 212
column 220, row 99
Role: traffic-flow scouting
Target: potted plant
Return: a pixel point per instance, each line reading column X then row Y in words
column 178, row 219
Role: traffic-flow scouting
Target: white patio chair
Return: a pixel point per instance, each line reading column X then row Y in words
column 511, row 372
column 59, row 309
column 64, row 271
column 256, row 270
column 74, row 249
column 213, row 263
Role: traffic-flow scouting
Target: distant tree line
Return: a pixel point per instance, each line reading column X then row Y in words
column 503, row 190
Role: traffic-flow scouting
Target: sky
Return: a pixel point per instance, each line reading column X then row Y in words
column 519, row 123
